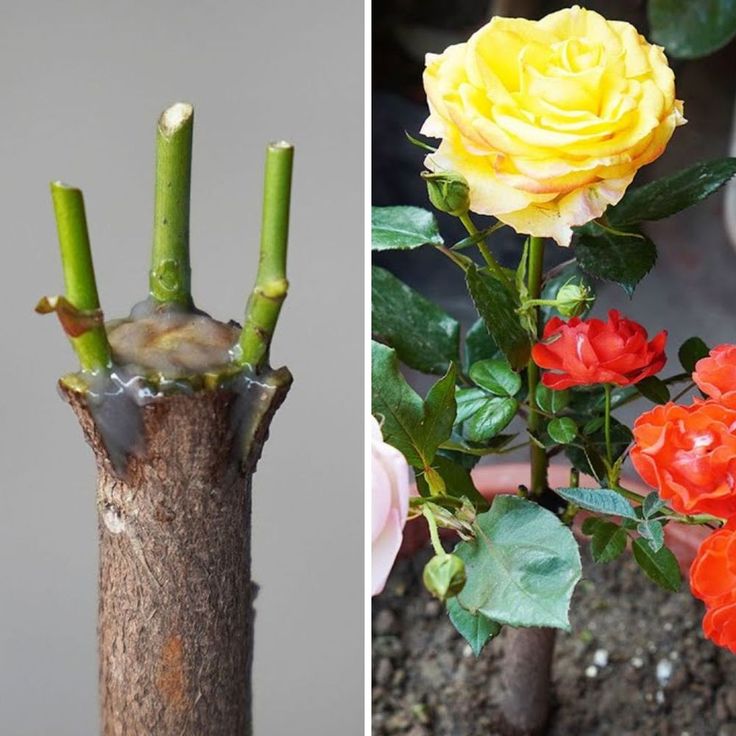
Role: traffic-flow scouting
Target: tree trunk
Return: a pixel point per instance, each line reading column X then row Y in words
column 527, row 667
column 175, row 592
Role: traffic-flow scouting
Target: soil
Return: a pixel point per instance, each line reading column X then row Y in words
column 634, row 664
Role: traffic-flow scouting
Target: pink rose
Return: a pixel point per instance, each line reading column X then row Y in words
column 390, row 505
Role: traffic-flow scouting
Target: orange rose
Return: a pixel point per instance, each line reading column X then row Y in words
column 716, row 374
column 689, row 454
column 713, row 580
column 713, row 572
column 583, row 352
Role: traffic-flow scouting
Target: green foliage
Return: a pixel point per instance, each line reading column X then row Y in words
column 624, row 258
column 654, row 389
column 586, row 454
column 458, row 482
column 599, row 500
column 494, row 416
column 476, row 629
column 653, row 532
column 552, row 402
column 403, row 228
column 479, row 344
column 562, row 430
column 689, row 29
column 690, row 352
column 671, row 194
column 497, row 307
column 414, row 427
column 660, row 566
column 424, row 336
column 521, row 567
column 496, row 376
column 652, row 504
column 608, row 541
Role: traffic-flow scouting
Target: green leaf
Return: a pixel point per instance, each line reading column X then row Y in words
column 439, row 414
column 692, row 28
column 551, row 401
column 403, row 228
column 654, row 389
column 497, row 306
column 476, row 629
column 608, row 542
column 413, row 427
column 521, row 567
column 458, row 482
column 469, row 401
column 424, row 336
column 600, row 500
column 590, row 524
column 665, row 197
column 419, row 144
column 690, row 352
column 652, row 504
column 495, row 415
column 660, row 566
column 479, row 344
column 594, row 446
column 653, row 532
column 562, row 430
column 495, row 376
column 623, row 259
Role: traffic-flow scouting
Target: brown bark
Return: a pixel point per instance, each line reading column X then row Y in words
column 175, row 592
column 527, row 667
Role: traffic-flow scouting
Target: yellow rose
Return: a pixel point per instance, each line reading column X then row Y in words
column 549, row 120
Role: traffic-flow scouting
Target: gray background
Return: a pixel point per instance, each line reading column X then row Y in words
column 81, row 86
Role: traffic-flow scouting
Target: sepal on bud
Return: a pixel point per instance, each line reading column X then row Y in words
column 444, row 576
column 448, row 192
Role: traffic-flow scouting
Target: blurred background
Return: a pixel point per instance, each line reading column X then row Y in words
column 83, row 83
column 635, row 662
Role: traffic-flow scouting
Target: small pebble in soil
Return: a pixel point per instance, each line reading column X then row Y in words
column 600, row 657
column 664, row 671
column 637, row 662
column 591, row 671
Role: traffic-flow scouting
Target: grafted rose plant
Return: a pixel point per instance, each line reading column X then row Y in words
column 543, row 125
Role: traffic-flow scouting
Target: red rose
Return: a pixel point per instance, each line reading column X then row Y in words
column 582, row 352
column 713, row 580
column 716, row 374
column 689, row 454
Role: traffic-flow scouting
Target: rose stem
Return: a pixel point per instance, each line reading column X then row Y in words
column 491, row 262
column 269, row 292
column 607, row 427
column 538, row 457
column 92, row 347
column 170, row 277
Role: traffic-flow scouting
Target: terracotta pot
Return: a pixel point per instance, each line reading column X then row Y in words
column 492, row 480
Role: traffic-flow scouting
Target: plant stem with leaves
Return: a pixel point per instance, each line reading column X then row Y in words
column 538, row 457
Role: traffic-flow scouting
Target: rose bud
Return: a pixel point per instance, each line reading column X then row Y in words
column 573, row 299
column 444, row 576
column 448, row 192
